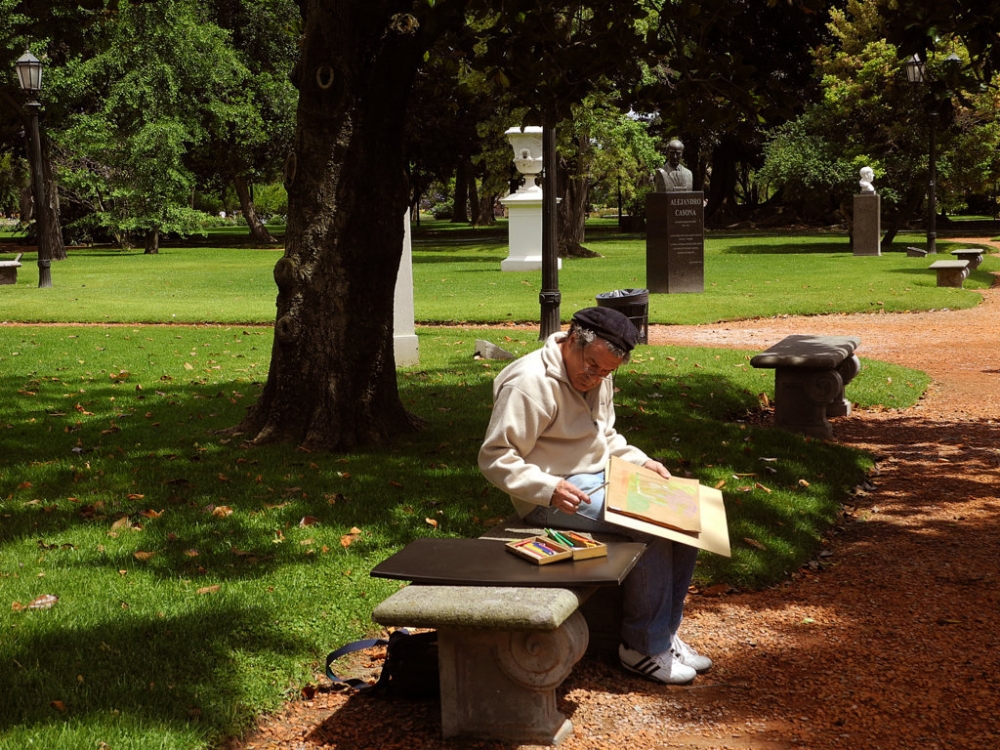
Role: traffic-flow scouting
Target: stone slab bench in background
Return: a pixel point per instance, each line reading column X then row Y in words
column 810, row 375
column 972, row 254
column 951, row 273
column 8, row 270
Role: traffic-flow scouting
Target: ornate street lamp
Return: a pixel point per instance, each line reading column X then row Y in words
column 29, row 74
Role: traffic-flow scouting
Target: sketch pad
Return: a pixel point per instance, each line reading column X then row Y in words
column 713, row 535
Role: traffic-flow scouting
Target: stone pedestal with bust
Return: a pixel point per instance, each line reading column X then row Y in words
column 675, row 229
column 867, row 217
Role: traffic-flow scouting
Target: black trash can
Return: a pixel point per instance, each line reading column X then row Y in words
column 633, row 304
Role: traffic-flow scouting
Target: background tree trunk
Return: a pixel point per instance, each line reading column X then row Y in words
column 460, row 203
column 258, row 232
column 574, row 189
column 474, row 206
column 49, row 229
column 573, row 219
column 332, row 380
column 151, row 243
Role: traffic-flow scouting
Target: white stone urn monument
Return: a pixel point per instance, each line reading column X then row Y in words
column 524, row 207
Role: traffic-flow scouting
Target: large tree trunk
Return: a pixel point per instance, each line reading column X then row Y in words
column 332, row 380
column 258, row 232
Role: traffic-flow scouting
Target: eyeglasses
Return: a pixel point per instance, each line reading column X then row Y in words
column 591, row 370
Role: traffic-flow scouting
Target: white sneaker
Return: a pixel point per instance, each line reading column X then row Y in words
column 689, row 657
column 663, row 668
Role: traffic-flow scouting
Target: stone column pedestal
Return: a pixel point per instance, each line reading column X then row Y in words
column 867, row 224
column 524, row 225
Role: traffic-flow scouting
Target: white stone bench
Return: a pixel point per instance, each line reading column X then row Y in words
column 810, row 375
column 951, row 273
column 503, row 652
column 8, row 270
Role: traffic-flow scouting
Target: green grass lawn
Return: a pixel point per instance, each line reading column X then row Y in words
column 457, row 278
column 201, row 583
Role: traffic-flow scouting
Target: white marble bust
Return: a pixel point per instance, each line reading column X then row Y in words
column 867, row 177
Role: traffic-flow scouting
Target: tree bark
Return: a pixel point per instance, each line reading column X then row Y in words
column 474, row 206
column 49, row 225
column 572, row 211
column 573, row 219
column 332, row 380
column 722, row 188
column 258, row 232
column 151, row 243
column 460, row 202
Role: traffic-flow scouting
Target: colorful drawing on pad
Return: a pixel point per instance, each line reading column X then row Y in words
column 640, row 493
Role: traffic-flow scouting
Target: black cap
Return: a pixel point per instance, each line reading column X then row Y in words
column 611, row 325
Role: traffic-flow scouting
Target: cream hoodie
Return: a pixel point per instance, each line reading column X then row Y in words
column 543, row 430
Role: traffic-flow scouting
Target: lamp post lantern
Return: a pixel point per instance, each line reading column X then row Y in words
column 29, row 75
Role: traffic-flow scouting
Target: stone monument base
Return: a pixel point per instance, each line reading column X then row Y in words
column 867, row 224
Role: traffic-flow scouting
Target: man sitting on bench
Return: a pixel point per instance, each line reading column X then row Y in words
column 550, row 436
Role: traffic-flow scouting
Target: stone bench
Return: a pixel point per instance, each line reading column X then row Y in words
column 951, row 273
column 8, row 270
column 502, row 651
column 811, row 373
column 972, row 254
column 505, row 650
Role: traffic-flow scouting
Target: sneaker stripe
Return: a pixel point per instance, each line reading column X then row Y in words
column 646, row 666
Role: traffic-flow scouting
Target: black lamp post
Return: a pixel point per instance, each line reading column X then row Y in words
column 550, row 296
column 29, row 74
column 915, row 74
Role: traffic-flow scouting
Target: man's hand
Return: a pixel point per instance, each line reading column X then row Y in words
column 567, row 497
column 658, row 468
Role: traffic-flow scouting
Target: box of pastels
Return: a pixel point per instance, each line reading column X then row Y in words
column 540, row 549
column 582, row 546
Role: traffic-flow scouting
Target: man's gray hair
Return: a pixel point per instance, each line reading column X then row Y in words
column 585, row 337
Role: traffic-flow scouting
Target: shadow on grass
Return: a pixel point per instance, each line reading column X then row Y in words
column 785, row 248
column 166, row 674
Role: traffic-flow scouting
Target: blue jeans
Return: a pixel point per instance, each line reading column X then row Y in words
column 654, row 592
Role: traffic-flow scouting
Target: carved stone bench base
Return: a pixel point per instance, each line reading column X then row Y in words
column 502, row 654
